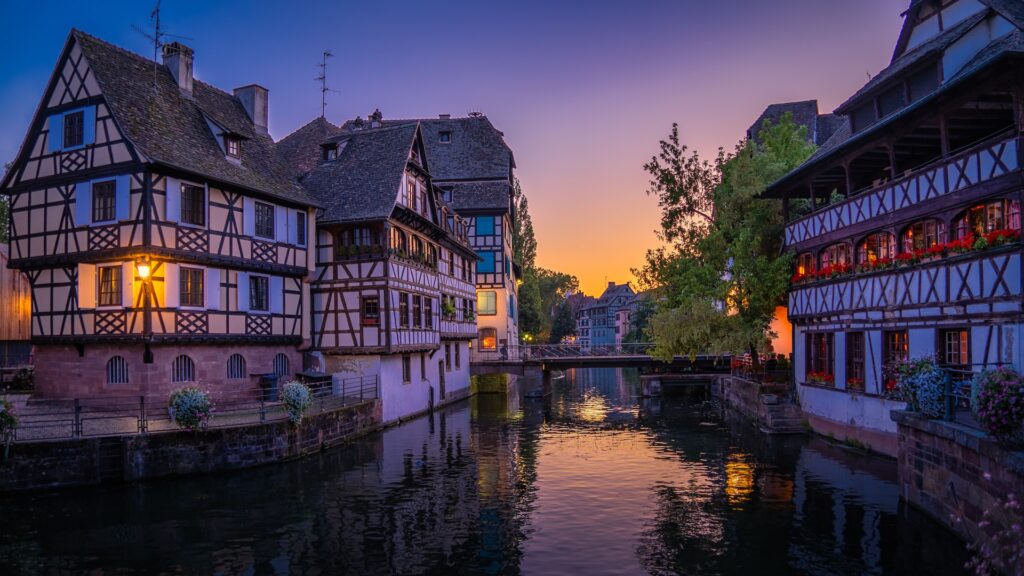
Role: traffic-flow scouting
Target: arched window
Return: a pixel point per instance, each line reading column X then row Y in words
column 281, row 364
column 488, row 339
column 236, row 367
column 924, row 234
column 417, row 246
column 984, row 218
column 805, row 263
column 183, row 369
column 399, row 241
column 117, row 370
column 877, row 246
column 833, row 255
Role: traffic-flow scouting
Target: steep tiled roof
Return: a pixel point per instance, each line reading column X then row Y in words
column 362, row 183
column 301, row 151
column 168, row 128
column 919, row 54
column 487, row 195
column 820, row 127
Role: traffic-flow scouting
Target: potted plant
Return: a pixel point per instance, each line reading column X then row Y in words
column 296, row 399
column 997, row 398
column 924, row 385
column 821, row 378
column 190, row 408
column 448, row 308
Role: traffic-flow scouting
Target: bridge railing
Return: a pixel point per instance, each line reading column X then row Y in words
column 525, row 352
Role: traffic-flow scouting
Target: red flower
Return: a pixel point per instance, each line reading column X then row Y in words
column 905, row 257
column 936, row 249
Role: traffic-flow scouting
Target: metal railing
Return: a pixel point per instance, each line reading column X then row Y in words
column 771, row 369
column 525, row 352
column 957, row 395
column 54, row 419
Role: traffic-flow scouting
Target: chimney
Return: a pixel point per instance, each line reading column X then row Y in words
column 178, row 59
column 376, row 119
column 254, row 99
column 444, row 116
column 611, row 285
column 358, row 123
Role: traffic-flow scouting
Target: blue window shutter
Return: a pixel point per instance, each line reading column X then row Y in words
column 172, row 285
column 56, row 137
column 89, row 125
column 123, row 200
column 248, row 216
column 293, row 229
column 212, row 288
column 173, row 211
column 486, row 265
column 243, row 291
column 281, row 224
column 276, row 295
column 484, row 225
column 83, row 204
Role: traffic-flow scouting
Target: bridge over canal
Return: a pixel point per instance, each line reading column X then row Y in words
column 547, row 357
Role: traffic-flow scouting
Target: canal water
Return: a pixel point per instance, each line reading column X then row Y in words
column 590, row 480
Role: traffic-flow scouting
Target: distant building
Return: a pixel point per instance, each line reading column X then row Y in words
column 596, row 322
column 820, row 127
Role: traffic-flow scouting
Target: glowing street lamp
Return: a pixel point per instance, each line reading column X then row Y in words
column 143, row 267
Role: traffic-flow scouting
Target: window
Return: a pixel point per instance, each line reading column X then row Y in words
column 877, row 246
column 417, row 312
column 281, row 364
column 259, row 293
column 233, row 146
column 406, row 369
column 236, row 367
column 890, row 101
column 486, row 264
column 448, row 357
column 183, row 369
column 423, row 366
column 193, row 205
column 371, row 311
column 403, row 310
column 488, row 339
column 805, row 263
column 953, row 348
column 410, row 192
column 117, row 370
column 109, row 278
column 330, row 151
column 855, row 361
column 300, row 228
column 444, row 137
column 191, row 281
column 264, row 220
column 487, row 302
column 836, row 254
column 428, row 313
column 896, row 349
column 511, row 305
column 104, row 201
column 990, row 216
column 484, row 225
column 458, row 360
column 821, row 357
column 74, row 129
column 924, row 234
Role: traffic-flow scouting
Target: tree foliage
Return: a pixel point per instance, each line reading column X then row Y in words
column 724, row 272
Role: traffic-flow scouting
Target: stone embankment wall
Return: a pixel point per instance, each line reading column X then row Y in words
column 89, row 461
column 741, row 395
column 943, row 468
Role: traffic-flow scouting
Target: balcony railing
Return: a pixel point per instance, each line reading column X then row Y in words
column 980, row 163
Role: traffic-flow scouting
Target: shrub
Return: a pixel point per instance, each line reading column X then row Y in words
column 996, row 545
column 24, row 378
column 923, row 384
column 8, row 419
column 997, row 397
column 296, row 399
column 190, row 408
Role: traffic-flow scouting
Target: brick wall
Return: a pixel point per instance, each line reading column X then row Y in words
column 942, row 467
column 90, row 461
column 60, row 372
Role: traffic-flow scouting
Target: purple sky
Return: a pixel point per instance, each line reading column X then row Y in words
column 582, row 90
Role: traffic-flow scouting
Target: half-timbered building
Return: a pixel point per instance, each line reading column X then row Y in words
column 164, row 242
column 474, row 168
column 906, row 222
column 393, row 290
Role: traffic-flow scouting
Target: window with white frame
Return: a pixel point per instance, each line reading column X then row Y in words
column 108, row 291
column 259, row 293
column 264, row 220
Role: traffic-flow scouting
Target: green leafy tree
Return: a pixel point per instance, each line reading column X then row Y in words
column 524, row 242
column 724, row 272
column 564, row 324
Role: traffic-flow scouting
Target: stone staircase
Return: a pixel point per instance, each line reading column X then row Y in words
column 781, row 415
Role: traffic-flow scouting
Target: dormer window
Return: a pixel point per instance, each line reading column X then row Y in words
column 74, row 129
column 445, row 137
column 330, row 151
column 232, row 146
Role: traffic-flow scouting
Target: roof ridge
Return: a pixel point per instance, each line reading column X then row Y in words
column 306, row 125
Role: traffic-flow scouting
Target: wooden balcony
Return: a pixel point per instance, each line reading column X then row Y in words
column 972, row 286
column 937, row 181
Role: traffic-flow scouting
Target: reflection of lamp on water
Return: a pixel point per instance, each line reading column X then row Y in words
column 143, row 267
column 739, row 480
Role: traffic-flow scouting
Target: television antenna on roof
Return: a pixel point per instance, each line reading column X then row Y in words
column 157, row 36
column 322, row 78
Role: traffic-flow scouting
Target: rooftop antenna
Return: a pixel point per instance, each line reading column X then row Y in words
column 322, row 78
column 157, row 36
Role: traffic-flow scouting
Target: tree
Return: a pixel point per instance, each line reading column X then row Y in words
column 524, row 243
column 724, row 272
column 563, row 324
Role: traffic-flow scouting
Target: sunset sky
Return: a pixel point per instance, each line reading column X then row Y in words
column 582, row 90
